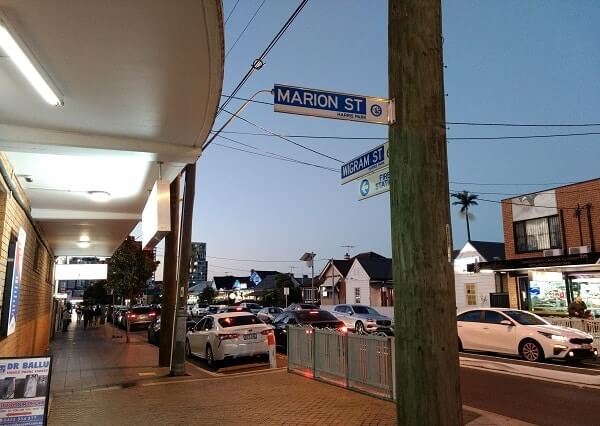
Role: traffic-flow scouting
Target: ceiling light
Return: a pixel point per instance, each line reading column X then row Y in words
column 99, row 196
column 84, row 242
column 26, row 63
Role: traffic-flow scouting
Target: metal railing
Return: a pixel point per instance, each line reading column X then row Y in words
column 355, row 361
column 589, row 326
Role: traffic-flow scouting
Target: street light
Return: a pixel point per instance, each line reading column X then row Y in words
column 309, row 258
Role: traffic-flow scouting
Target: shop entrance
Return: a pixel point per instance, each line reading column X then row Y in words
column 523, row 283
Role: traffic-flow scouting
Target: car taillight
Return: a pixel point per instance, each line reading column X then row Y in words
column 130, row 315
column 228, row 336
column 313, row 312
column 152, row 314
column 343, row 329
column 266, row 332
column 308, row 331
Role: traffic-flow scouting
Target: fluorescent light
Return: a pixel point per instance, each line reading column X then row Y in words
column 99, row 196
column 25, row 63
column 84, row 242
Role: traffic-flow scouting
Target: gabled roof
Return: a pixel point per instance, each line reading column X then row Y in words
column 344, row 265
column 264, row 274
column 490, row 250
column 379, row 268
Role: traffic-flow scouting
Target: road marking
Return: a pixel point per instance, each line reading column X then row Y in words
column 515, row 361
column 147, row 373
column 210, row 373
column 498, row 419
column 220, row 377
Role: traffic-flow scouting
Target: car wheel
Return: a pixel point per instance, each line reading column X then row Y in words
column 359, row 327
column 210, row 357
column 531, row 351
column 188, row 349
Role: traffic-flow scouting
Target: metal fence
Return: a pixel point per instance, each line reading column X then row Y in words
column 354, row 361
column 589, row 326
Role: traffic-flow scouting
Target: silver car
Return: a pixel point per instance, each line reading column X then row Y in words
column 363, row 319
column 268, row 314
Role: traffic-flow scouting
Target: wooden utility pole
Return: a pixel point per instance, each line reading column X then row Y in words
column 427, row 379
column 185, row 248
column 169, row 279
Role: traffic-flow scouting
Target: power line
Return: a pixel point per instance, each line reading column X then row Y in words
column 307, row 136
column 558, row 135
column 261, row 260
column 282, row 137
column 231, row 11
column 245, row 28
column 464, row 123
column 511, row 184
column 526, row 205
column 259, row 62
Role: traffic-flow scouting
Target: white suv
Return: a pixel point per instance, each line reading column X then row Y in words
column 363, row 319
column 516, row 332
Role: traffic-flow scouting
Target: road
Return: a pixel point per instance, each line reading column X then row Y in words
column 535, row 401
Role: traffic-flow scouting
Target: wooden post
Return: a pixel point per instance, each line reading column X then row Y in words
column 167, row 314
column 183, row 276
column 427, row 370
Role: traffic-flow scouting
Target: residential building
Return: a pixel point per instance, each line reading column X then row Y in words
column 198, row 264
column 552, row 239
column 333, row 285
column 478, row 289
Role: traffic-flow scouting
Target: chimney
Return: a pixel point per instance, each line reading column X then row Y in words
column 305, row 276
column 347, row 256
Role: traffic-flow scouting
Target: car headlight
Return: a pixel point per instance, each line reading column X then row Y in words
column 555, row 337
column 370, row 320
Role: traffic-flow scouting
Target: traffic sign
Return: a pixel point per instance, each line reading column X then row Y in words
column 365, row 163
column 374, row 184
column 343, row 106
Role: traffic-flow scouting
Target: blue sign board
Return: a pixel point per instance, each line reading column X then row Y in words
column 365, row 163
column 343, row 106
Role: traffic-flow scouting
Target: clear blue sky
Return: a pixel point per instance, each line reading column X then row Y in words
column 509, row 61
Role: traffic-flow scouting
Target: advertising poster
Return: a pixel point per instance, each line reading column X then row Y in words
column 13, row 287
column 24, row 390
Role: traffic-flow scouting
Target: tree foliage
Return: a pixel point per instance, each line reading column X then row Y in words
column 277, row 298
column 208, row 295
column 466, row 199
column 96, row 293
column 129, row 269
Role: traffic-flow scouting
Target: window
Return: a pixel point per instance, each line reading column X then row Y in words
column 526, row 318
column 493, row 317
column 537, row 234
column 341, row 308
column 238, row 321
column 471, row 294
column 470, row 316
column 357, row 295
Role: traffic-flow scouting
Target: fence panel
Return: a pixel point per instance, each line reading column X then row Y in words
column 331, row 355
column 589, row 326
column 370, row 364
column 300, row 349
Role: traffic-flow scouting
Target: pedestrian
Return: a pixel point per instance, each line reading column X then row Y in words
column 79, row 313
column 102, row 316
column 88, row 314
column 577, row 308
column 65, row 317
column 97, row 313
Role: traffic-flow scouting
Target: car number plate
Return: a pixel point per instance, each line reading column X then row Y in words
column 250, row 336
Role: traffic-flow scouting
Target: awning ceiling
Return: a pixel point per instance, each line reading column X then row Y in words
column 141, row 81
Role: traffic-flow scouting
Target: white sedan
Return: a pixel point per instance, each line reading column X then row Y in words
column 226, row 336
column 516, row 332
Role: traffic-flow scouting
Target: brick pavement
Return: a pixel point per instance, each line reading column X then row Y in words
column 96, row 381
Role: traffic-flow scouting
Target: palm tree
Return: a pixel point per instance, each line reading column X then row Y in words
column 465, row 199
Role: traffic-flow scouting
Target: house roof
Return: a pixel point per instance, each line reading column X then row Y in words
column 490, row 250
column 379, row 268
column 267, row 283
column 199, row 288
column 344, row 265
column 264, row 274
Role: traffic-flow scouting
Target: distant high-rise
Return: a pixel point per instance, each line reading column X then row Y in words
column 198, row 264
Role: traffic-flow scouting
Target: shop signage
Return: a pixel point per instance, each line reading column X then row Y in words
column 374, row 184
column 24, row 391
column 343, row 106
column 12, row 286
column 539, row 262
column 156, row 216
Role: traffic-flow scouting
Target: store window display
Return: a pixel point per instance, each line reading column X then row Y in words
column 588, row 287
column 548, row 293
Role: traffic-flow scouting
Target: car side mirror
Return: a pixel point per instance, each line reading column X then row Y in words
column 350, row 313
column 506, row 322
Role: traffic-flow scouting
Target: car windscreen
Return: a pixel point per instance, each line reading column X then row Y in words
column 364, row 310
column 213, row 309
column 309, row 316
column 525, row 318
column 253, row 306
column 239, row 320
column 141, row 310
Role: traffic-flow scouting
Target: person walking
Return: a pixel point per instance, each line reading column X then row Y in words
column 79, row 313
column 88, row 315
column 102, row 316
column 577, row 308
column 96, row 315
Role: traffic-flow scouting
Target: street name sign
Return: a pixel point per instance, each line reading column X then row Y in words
column 342, row 106
column 365, row 163
column 374, row 184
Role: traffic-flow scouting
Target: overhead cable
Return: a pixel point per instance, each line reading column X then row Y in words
column 245, row 28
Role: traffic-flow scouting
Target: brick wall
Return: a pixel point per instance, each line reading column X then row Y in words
column 33, row 318
column 567, row 199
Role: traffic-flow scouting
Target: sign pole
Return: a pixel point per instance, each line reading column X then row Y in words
column 427, row 369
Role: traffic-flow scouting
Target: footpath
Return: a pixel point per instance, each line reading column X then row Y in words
column 98, row 379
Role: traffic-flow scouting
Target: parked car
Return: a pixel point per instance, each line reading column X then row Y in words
column 269, row 314
column 139, row 316
column 214, row 309
column 226, row 336
column 363, row 319
column 119, row 317
column 154, row 330
column 516, row 332
column 199, row 309
column 297, row 306
column 316, row 318
column 254, row 307
column 234, row 309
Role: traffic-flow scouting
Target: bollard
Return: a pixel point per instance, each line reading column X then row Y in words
column 272, row 352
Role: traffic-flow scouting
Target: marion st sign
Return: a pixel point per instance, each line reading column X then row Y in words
column 342, row 106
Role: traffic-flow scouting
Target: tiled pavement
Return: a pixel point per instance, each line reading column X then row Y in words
column 96, row 380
